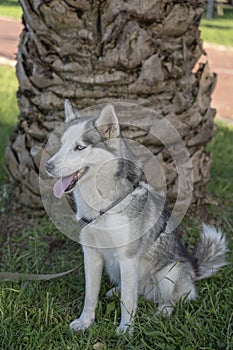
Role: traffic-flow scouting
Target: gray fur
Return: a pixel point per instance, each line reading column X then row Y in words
column 209, row 254
column 136, row 240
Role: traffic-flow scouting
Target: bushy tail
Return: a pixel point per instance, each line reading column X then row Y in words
column 209, row 254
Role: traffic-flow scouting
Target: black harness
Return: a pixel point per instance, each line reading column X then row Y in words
column 85, row 221
column 164, row 214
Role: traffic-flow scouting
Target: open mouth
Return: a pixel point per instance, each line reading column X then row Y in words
column 67, row 184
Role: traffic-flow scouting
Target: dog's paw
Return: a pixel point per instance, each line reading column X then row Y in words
column 124, row 329
column 112, row 292
column 80, row 324
column 165, row 310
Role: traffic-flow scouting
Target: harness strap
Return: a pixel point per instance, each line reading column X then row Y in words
column 103, row 211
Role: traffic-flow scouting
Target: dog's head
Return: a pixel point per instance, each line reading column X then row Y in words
column 86, row 144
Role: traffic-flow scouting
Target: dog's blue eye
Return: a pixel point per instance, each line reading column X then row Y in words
column 79, row 148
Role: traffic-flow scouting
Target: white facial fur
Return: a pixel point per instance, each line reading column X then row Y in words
column 67, row 160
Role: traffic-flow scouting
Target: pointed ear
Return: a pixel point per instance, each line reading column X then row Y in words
column 69, row 111
column 107, row 123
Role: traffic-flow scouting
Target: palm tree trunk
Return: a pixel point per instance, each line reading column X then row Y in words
column 100, row 51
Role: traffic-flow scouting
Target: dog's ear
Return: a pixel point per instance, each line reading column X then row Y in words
column 70, row 114
column 107, row 123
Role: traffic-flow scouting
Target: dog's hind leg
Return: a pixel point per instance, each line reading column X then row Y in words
column 166, row 284
column 113, row 291
column 175, row 282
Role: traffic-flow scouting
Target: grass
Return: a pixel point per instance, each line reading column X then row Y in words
column 221, row 184
column 218, row 30
column 35, row 315
column 8, row 110
column 11, row 9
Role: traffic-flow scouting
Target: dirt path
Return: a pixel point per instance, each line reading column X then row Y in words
column 220, row 60
column 9, row 36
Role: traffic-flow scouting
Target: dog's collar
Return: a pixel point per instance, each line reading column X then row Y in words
column 103, row 211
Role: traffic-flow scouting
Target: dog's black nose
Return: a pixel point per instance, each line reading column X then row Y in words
column 49, row 166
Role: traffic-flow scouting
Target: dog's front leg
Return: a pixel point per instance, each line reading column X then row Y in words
column 129, row 292
column 93, row 263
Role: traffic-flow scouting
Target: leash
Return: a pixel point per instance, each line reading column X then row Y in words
column 14, row 276
column 104, row 211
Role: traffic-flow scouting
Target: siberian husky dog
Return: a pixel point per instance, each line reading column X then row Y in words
column 126, row 227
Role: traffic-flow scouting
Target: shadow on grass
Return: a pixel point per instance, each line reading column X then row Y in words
column 5, row 131
column 214, row 26
column 8, row 118
column 12, row 3
column 8, row 108
column 220, row 187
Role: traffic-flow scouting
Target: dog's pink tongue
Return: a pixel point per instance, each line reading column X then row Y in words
column 61, row 185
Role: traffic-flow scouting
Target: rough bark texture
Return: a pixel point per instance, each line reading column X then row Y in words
column 106, row 51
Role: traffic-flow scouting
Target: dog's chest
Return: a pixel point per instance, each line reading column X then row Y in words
column 86, row 202
column 111, row 230
column 111, row 260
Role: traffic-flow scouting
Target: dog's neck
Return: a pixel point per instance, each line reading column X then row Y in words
column 99, row 191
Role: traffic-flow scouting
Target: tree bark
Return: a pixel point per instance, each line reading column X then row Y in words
column 107, row 51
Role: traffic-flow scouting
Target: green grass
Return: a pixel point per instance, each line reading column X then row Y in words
column 11, row 9
column 35, row 315
column 221, row 184
column 8, row 109
column 218, row 30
